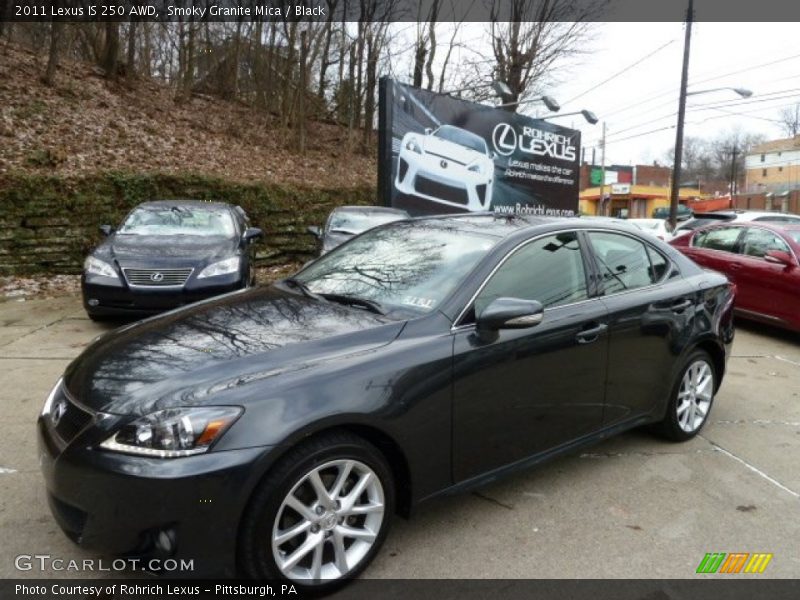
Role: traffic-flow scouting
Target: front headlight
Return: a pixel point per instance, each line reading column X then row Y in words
column 174, row 432
column 413, row 146
column 223, row 267
column 99, row 267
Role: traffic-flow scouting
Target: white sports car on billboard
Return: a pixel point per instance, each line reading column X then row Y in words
column 448, row 165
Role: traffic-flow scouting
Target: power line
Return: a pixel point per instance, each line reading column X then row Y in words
column 620, row 72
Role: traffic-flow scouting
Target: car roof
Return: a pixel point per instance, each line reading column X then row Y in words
column 502, row 225
column 370, row 209
column 184, row 202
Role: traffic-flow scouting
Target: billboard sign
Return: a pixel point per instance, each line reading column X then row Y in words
column 443, row 154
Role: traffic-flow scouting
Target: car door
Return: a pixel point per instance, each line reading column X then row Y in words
column 765, row 288
column 650, row 311
column 528, row 390
column 716, row 248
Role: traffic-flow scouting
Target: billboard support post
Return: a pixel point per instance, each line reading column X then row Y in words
column 384, row 141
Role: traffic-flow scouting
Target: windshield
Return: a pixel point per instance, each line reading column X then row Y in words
column 794, row 234
column 411, row 266
column 179, row 220
column 461, row 137
column 356, row 222
column 647, row 224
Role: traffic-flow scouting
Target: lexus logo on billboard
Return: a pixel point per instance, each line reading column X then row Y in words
column 532, row 141
column 504, row 139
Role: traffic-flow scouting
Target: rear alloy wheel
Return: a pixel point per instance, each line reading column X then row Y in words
column 326, row 518
column 692, row 397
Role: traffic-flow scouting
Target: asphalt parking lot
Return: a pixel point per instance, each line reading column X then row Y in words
column 632, row 507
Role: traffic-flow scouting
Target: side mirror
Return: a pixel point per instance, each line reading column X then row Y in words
column 493, row 156
column 314, row 230
column 428, row 131
column 779, row 257
column 510, row 313
column 106, row 230
column 251, row 233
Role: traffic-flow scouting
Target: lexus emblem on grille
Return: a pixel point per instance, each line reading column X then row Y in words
column 58, row 412
column 157, row 276
column 443, row 164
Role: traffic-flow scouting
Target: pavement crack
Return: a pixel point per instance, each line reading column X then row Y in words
column 493, row 500
column 753, row 468
column 635, row 453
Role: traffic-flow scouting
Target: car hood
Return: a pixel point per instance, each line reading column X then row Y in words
column 195, row 355
column 450, row 150
column 133, row 249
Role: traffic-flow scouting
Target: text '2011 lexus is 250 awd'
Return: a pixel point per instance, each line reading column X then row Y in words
column 422, row 357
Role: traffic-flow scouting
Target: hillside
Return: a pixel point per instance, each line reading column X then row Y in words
column 85, row 124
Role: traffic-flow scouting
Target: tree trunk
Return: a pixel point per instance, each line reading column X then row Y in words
column 52, row 57
column 131, row 60
column 111, row 49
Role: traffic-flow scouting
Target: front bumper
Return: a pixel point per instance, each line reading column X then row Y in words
column 105, row 296
column 120, row 504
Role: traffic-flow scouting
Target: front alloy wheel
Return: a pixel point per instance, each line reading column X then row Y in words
column 328, row 522
column 320, row 515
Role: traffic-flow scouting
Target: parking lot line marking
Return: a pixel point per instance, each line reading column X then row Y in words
column 4, row 471
column 753, row 468
column 791, row 362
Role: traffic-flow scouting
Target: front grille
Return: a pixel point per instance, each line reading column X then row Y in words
column 429, row 187
column 157, row 277
column 69, row 421
column 401, row 173
column 447, row 158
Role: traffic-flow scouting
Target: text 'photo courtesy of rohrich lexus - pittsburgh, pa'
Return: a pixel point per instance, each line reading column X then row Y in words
column 423, row 357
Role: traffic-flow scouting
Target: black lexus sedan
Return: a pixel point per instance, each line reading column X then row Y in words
column 166, row 254
column 346, row 222
column 274, row 432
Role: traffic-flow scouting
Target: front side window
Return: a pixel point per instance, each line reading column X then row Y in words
column 623, row 261
column 757, row 242
column 722, row 239
column 549, row 270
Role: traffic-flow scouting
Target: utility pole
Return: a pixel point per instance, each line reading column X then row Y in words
column 676, row 169
column 600, row 206
column 733, row 174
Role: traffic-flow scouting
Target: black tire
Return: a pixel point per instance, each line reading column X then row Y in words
column 97, row 318
column 256, row 558
column 670, row 427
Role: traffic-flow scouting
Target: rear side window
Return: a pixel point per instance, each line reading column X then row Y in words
column 757, row 242
column 721, row 238
column 549, row 270
column 625, row 262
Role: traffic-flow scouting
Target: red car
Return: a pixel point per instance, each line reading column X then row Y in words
column 761, row 259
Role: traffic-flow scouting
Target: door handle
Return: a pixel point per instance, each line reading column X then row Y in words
column 590, row 333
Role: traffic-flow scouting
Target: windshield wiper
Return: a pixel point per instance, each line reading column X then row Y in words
column 370, row 305
column 296, row 284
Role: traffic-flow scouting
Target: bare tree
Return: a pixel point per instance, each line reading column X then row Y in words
column 790, row 120
column 56, row 28
column 530, row 37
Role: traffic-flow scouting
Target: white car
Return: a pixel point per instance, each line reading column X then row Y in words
column 448, row 165
column 657, row 227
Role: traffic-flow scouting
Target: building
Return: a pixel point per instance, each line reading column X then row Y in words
column 773, row 167
column 629, row 191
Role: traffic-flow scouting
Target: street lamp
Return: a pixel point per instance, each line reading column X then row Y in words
column 744, row 93
column 590, row 117
column 548, row 101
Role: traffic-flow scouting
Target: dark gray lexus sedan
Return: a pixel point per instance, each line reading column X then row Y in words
column 273, row 432
column 166, row 254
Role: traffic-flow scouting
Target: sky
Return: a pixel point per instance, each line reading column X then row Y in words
column 644, row 97
column 629, row 75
